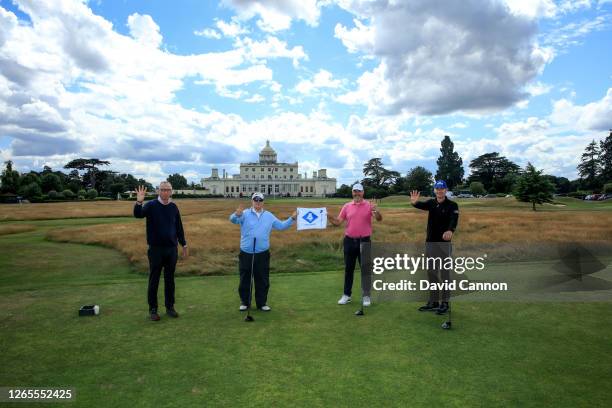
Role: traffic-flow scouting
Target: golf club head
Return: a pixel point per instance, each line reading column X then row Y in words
column 446, row 325
column 359, row 313
column 249, row 318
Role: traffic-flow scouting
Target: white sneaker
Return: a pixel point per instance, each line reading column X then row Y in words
column 367, row 301
column 243, row 308
column 265, row 308
column 344, row 300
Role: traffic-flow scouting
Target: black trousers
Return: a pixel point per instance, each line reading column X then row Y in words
column 161, row 258
column 261, row 276
column 436, row 273
column 352, row 255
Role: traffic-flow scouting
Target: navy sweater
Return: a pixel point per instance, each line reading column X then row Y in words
column 164, row 226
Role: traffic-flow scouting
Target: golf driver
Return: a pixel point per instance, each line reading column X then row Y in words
column 248, row 317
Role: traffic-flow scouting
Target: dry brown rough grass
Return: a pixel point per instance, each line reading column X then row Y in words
column 213, row 240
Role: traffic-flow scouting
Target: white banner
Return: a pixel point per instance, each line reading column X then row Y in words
column 311, row 218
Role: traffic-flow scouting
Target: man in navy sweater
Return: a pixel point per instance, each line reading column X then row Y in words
column 164, row 232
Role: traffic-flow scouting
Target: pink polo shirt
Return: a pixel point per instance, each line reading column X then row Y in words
column 358, row 219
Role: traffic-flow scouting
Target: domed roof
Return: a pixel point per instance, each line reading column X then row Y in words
column 268, row 149
column 267, row 154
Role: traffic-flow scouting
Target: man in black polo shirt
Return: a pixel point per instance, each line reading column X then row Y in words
column 164, row 232
column 441, row 225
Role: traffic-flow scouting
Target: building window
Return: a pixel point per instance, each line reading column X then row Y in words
column 275, row 177
column 311, row 189
column 291, row 177
column 269, row 169
column 226, row 189
column 243, row 188
column 301, row 189
column 276, row 188
column 284, row 169
column 262, row 169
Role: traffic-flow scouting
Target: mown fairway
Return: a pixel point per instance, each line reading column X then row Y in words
column 308, row 351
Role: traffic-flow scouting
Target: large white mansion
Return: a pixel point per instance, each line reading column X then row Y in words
column 271, row 178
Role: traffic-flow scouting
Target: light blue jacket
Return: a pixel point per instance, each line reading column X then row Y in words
column 259, row 228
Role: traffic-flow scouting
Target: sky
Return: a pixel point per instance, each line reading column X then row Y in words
column 158, row 87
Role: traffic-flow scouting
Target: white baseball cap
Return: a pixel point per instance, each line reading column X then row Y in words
column 257, row 194
column 357, row 187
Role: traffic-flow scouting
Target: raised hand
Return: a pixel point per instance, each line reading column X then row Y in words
column 140, row 193
column 414, row 196
column 294, row 215
column 239, row 210
column 373, row 205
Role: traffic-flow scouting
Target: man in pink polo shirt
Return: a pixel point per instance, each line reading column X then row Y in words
column 358, row 216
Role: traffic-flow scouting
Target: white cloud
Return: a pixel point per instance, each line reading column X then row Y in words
column 360, row 37
column 271, row 47
column 439, row 57
column 144, row 30
column 592, row 116
column 208, row 33
column 322, row 79
column 231, row 29
column 277, row 15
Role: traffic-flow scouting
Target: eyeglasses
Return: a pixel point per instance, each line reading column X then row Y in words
column 259, row 200
column 165, row 189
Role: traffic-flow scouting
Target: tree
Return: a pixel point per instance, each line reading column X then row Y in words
column 51, row 181
column 178, row 181
column 450, row 164
column 495, row 172
column 90, row 165
column 117, row 188
column 344, row 191
column 605, row 159
column 477, row 188
column 533, row 187
column 9, row 178
column 420, row 179
column 30, row 191
column 562, row 185
column 376, row 175
column 29, row 178
column 588, row 169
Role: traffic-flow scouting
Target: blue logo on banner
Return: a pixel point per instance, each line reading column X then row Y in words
column 310, row 217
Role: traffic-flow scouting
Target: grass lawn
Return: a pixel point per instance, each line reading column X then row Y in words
column 307, row 352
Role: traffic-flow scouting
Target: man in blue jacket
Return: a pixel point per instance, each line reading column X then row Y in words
column 256, row 224
column 164, row 232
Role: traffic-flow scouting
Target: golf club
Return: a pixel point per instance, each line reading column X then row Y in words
column 360, row 311
column 248, row 317
column 447, row 324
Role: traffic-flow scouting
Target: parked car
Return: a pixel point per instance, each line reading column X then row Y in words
column 605, row 197
column 491, row 196
column 465, row 195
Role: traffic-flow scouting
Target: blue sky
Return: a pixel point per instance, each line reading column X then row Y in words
column 158, row 87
